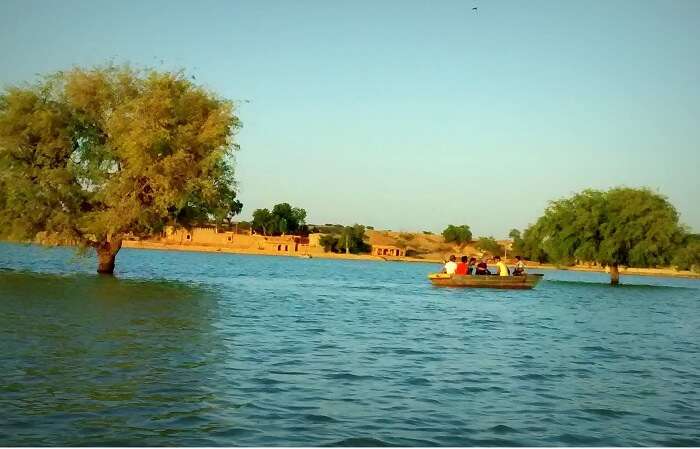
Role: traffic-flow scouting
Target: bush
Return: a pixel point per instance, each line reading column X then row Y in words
column 329, row 242
column 352, row 237
column 461, row 235
column 489, row 245
column 688, row 257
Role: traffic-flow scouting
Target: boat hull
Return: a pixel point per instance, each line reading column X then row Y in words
column 503, row 282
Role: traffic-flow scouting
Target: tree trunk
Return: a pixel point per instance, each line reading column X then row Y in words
column 106, row 254
column 614, row 275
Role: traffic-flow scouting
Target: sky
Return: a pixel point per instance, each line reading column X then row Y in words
column 412, row 115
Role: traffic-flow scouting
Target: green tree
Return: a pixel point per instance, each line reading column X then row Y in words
column 622, row 226
column 518, row 242
column 687, row 255
column 461, row 235
column 93, row 155
column 348, row 239
column 262, row 221
column 284, row 219
column 329, row 242
column 531, row 245
column 490, row 245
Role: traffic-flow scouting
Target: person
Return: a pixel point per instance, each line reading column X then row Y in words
column 520, row 268
column 451, row 266
column 462, row 266
column 482, row 268
column 472, row 266
column 501, row 267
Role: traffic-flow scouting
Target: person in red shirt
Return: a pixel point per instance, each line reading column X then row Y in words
column 462, row 267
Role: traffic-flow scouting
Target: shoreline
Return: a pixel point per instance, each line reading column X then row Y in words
column 149, row 245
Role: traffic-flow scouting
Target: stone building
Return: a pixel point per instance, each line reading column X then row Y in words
column 388, row 250
column 211, row 236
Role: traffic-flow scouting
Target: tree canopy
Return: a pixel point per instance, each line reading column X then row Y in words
column 348, row 239
column 283, row 219
column 460, row 235
column 490, row 245
column 687, row 255
column 92, row 155
column 621, row 226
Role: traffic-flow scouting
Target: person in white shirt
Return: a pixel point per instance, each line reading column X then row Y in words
column 451, row 266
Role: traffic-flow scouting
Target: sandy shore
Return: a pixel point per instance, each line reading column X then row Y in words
column 664, row 272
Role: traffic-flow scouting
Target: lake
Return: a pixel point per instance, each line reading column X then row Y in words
column 221, row 349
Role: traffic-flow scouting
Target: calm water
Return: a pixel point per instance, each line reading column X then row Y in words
column 220, row 349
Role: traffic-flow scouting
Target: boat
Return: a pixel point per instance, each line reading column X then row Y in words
column 525, row 282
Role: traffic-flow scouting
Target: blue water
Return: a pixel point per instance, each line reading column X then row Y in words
column 220, row 349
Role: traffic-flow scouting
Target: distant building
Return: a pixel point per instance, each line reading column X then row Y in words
column 211, row 236
column 388, row 250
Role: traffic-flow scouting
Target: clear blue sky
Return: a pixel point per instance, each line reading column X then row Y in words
column 413, row 115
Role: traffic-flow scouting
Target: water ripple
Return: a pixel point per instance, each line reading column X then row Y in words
column 194, row 349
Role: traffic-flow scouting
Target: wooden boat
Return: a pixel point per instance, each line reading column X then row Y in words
column 513, row 282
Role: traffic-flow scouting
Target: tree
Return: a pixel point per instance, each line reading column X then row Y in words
column 518, row 242
column 531, row 246
column 461, row 235
column 284, row 219
column 262, row 221
column 348, row 239
column 687, row 255
column 92, row 155
column 490, row 245
column 329, row 242
column 622, row 226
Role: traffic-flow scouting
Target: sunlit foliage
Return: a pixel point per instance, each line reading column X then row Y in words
column 460, row 235
column 350, row 239
column 621, row 226
column 92, row 155
column 489, row 245
column 283, row 219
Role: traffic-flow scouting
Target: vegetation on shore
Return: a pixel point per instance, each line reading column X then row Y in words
column 90, row 156
column 283, row 219
column 621, row 226
column 460, row 235
column 347, row 239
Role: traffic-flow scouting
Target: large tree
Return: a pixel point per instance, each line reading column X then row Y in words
column 622, row 226
column 90, row 156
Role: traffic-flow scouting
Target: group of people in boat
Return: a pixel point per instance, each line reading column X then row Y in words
column 472, row 267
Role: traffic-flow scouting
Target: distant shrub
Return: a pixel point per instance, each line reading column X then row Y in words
column 461, row 235
column 427, row 233
column 490, row 245
column 406, row 236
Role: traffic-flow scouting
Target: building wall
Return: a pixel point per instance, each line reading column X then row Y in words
column 315, row 243
column 387, row 250
column 211, row 236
